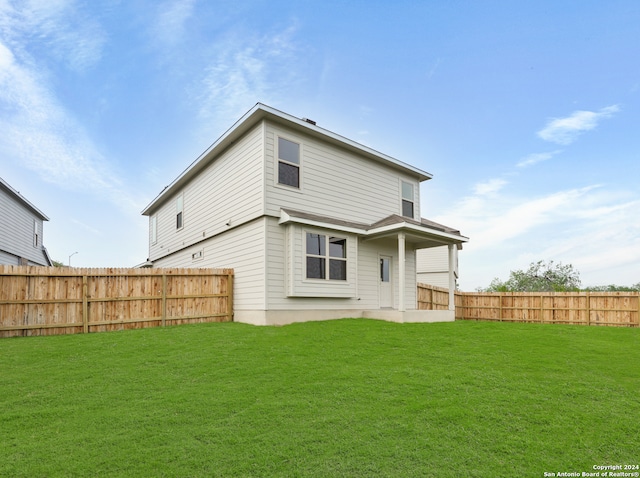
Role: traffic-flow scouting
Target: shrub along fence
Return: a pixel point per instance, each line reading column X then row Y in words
column 620, row 309
column 53, row 300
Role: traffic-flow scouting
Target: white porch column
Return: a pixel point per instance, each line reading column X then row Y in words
column 452, row 278
column 401, row 271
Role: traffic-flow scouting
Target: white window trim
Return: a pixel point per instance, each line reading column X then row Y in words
column 327, row 258
column 278, row 160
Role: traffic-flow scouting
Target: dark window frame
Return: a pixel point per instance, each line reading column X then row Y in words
column 289, row 162
column 325, row 257
column 408, row 209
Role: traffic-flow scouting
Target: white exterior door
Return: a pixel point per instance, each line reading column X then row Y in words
column 386, row 285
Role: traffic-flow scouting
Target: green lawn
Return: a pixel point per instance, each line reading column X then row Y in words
column 337, row 398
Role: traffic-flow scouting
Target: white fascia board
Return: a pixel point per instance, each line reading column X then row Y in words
column 448, row 237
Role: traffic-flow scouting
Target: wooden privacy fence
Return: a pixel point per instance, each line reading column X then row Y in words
column 431, row 297
column 621, row 309
column 53, row 300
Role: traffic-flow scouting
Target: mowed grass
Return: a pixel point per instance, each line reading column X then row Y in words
column 337, row 398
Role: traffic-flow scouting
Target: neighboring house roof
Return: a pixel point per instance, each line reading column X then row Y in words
column 251, row 118
column 21, row 199
column 425, row 233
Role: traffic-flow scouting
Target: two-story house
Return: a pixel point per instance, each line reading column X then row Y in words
column 22, row 230
column 316, row 226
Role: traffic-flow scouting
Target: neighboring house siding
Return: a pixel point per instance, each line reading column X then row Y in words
column 242, row 249
column 228, row 191
column 17, row 235
column 334, row 182
column 9, row 259
column 433, row 266
column 438, row 279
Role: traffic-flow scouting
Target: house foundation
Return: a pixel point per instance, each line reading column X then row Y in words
column 285, row 317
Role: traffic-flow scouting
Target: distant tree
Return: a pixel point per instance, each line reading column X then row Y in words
column 57, row 264
column 540, row 277
column 613, row 288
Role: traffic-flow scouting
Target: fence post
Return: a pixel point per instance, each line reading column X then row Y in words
column 85, row 306
column 164, row 299
column 230, row 296
column 588, row 308
column 500, row 296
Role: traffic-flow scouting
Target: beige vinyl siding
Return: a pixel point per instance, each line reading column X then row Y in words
column 283, row 266
column 369, row 279
column 334, row 182
column 438, row 279
column 17, row 231
column 300, row 286
column 241, row 249
column 369, row 269
column 230, row 190
column 433, row 266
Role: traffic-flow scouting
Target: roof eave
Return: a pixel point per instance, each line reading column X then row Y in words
column 23, row 200
column 446, row 237
column 426, row 233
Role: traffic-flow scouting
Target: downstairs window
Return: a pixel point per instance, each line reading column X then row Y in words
column 326, row 257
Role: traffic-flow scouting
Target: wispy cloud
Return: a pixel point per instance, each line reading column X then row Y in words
column 61, row 26
column 490, row 221
column 576, row 226
column 244, row 71
column 172, row 17
column 566, row 130
column 489, row 187
column 536, row 158
column 433, row 69
column 38, row 132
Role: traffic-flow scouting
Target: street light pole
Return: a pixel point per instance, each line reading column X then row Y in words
column 71, row 256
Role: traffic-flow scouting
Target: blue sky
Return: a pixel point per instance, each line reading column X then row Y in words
column 526, row 113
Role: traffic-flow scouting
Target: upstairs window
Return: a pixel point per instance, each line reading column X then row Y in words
column 288, row 163
column 326, row 257
column 154, row 229
column 407, row 199
column 179, row 212
column 36, row 233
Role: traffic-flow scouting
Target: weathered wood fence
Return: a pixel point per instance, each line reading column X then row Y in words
column 620, row 309
column 53, row 300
